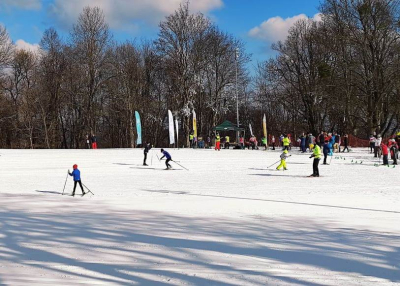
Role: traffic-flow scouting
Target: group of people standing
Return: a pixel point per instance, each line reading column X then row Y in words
column 91, row 141
column 380, row 149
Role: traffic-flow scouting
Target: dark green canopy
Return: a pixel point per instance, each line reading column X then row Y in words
column 227, row 126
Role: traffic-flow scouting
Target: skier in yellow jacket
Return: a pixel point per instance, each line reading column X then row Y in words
column 284, row 156
column 317, row 156
column 286, row 142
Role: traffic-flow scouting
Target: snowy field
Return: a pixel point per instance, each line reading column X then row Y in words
column 227, row 221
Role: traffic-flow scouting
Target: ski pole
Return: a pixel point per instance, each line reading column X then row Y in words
column 273, row 164
column 87, row 188
column 180, row 165
column 65, row 182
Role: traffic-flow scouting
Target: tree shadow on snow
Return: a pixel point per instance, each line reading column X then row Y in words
column 275, row 201
column 155, row 248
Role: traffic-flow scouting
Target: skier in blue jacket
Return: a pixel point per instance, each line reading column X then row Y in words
column 331, row 144
column 326, row 151
column 77, row 179
column 168, row 156
column 303, row 143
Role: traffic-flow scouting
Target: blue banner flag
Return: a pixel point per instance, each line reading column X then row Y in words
column 138, row 129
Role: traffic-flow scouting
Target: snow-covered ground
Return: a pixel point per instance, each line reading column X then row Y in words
column 226, row 221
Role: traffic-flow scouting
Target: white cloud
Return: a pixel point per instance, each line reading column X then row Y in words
column 22, row 45
column 123, row 14
column 23, row 4
column 276, row 28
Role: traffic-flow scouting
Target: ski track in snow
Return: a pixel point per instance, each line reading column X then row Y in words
column 227, row 221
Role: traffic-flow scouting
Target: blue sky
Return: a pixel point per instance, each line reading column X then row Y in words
column 256, row 22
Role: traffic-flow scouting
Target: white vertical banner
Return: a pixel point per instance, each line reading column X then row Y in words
column 171, row 128
column 177, row 131
column 251, row 130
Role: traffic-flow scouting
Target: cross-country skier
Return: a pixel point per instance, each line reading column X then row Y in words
column 77, row 179
column 283, row 156
column 317, row 156
column 168, row 157
column 147, row 148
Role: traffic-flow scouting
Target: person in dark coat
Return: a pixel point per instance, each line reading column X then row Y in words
column 94, row 142
column 147, row 148
column 321, row 139
column 326, row 151
column 394, row 151
column 303, row 143
column 346, row 143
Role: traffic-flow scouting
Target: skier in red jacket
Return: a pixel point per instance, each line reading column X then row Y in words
column 385, row 153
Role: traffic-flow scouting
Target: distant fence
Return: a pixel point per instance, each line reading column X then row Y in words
column 357, row 142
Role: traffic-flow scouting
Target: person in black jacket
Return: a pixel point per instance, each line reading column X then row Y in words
column 147, row 148
column 346, row 143
column 321, row 139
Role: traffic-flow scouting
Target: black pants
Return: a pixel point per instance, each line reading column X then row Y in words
column 285, row 148
column 394, row 158
column 345, row 147
column 167, row 163
column 145, row 158
column 325, row 157
column 80, row 184
column 315, row 167
column 385, row 160
column 376, row 149
column 273, row 146
column 372, row 147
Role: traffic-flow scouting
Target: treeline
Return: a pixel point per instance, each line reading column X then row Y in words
column 89, row 84
column 340, row 73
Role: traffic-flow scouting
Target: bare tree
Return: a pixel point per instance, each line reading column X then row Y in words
column 182, row 45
